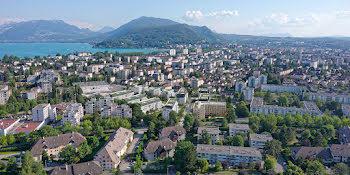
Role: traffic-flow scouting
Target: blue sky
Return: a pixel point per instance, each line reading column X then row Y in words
column 256, row 17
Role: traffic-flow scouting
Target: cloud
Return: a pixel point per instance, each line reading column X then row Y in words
column 196, row 15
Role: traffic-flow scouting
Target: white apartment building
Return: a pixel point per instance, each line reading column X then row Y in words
column 95, row 68
column 214, row 132
column 122, row 94
column 151, row 104
column 114, row 110
column 96, row 105
column 111, row 154
column 282, row 88
column 231, row 154
column 195, row 82
column 204, row 109
column 171, row 105
column 238, row 128
column 136, row 98
column 44, row 112
column 5, row 94
column 172, row 52
column 182, row 96
column 6, row 125
column 74, row 113
column 346, row 110
column 343, row 99
column 256, row 81
column 259, row 140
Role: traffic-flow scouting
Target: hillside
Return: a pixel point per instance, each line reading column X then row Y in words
column 42, row 31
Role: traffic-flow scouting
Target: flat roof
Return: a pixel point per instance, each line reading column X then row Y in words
column 5, row 123
column 27, row 126
column 228, row 150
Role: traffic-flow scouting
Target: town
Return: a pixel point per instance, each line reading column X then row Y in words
column 192, row 109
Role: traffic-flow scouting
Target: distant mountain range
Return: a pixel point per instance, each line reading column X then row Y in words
column 149, row 32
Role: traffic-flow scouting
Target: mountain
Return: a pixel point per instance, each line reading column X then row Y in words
column 106, row 29
column 43, row 31
column 156, row 32
column 278, row 35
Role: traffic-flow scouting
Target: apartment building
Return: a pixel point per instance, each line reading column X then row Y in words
column 97, row 104
column 214, row 132
column 259, row 140
column 343, row 99
column 53, row 145
column 256, row 81
column 6, row 125
column 74, row 113
column 238, row 128
column 345, row 108
column 182, row 96
column 44, row 112
column 122, row 94
column 257, row 106
column 115, row 110
column 174, row 133
column 282, row 88
column 151, row 104
column 195, row 82
column 231, row 154
column 88, row 168
column 5, row 94
column 159, row 149
column 334, row 153
column 136, row 98
column 202, row 109
column 171, row 105
column 344, row 135
column 109, row 156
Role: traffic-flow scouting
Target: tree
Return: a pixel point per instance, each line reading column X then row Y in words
column 151, row 130
column 12, row 167
column 69, row 155
column 84, row 149
column 273, row 147
column 268, row 123
column 206, row 138
column 30, row 166
column 268, row 97
column 231, row 113
column 45, row 157
column 269, row 164
column 203, row 164
column 188, row 122
column 185, row 156
column 340, row 169
column 293, row 169
column 224, row 123
column 286, row 134
column 93, row 142
column 172, row 118
column 238, row 140
column 283, row 101
column 218, row 166
column 316, row 168
column 242, row 111
column 2, row 166
column 319, row 140
column 99, row 133
column 10, row 139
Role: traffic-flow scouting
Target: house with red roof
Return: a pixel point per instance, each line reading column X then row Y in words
column 6, row 125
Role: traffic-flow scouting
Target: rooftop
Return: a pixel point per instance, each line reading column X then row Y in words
column 260, row 137
column 228, row 150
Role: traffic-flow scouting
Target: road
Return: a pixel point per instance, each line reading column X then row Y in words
column 125, row 164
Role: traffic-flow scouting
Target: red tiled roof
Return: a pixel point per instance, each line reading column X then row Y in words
column 27, row 126
column 6, row 123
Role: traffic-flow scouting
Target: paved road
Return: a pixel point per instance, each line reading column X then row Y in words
column 125, row 164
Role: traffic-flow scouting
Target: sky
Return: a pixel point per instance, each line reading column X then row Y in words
column 300, row 18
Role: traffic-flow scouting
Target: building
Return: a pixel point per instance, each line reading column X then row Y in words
column 230, row 154
column 257, row 106
column 5, row 94
column 88, row 168
column 343, row 99
column 195, row 82
column 109, row 156
column 27, row 127
column 172, row 52
column 174, row 133
column 171, row 105
column 335, row 153
column 136, row 98
column 256, row 81
column 95, row 68
column 248, row 94
column 259, row 140
column 344, row 135
column 282, row 88
column 214, row 132
column 239, row 86
column 203, row 109
column 345, row 108
column 185, row 51
column 6, row 125
column 122, row 94
column 151, row 104
column 159, row 149
column 238, row 128
column 74, row 113
column 114, row 110
column 44, row 112
column 182, row 96
column 53, row 145
column 97, row 104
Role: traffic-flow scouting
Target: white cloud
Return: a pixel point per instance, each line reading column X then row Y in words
column 198, row 15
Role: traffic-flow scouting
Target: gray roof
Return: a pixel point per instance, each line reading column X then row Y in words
column 260, row 137
column 239, row 127
column 228, row 150
column 166, row 144
column 209, row 130
column 87, row 168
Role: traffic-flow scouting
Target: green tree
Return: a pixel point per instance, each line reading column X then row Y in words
column 242, row 111
column 238, row 140
column 172, row 118
column 12, row 167
column 268, row 123
column 30, row 166
column 283, row 101
column 224, row 123
column 99, row 132
column 293, row 170
column 268, row 97
column 273, row 147
column 185, row 156
column 286, row 134
column 316, row 168
column 3, row 140
column 203, row 164
column 206, row 138
column 10, row 139
column 218, row 166
column 231, row 114
column 69, row 155
column 340, row 169
column 269, row 164
column 45, row 157
column 93, row 142
column 84, row 149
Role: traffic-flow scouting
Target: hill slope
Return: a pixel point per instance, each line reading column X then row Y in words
column 43, row 31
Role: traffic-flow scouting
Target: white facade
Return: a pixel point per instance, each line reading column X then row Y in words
column 172, row 52
column 96, row 105
column 151, row 104
column 5, row 94
column 182, row 96
column 171, row 105
column 44, row 112
column 74, row 113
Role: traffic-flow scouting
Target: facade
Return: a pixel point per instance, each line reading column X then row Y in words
column 257, row 106
column 239, row 86
column 248, row 94
column 171, row 105
column 214, row 132
column 344, row 135
column 114, row 110
column 74, row 113
column 345, row 108
column 27, row 127
column 238, row 128
column 53, row 145
column 172, row 52
column 282, row 88
column 159, row 149
column 6, row 125
column 44, row 112
column 88, row 168
column 256, row 81
column 136, row 98
column 5, row 94
column 259, row 140
column 151, row 104
column 335, row 153
column 182, row 96
column 195, row 82
column 174, row 133
column 231, row 154
column 343, row 99
column 96, row 105
column 204, row 109
column 122, row 94
column 110, row 155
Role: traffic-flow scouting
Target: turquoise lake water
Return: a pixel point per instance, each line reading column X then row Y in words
column 44, row 49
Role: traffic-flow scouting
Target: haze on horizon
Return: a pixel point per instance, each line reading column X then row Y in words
column 255, row 17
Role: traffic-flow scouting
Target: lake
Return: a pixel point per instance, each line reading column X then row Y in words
column 44, row 49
